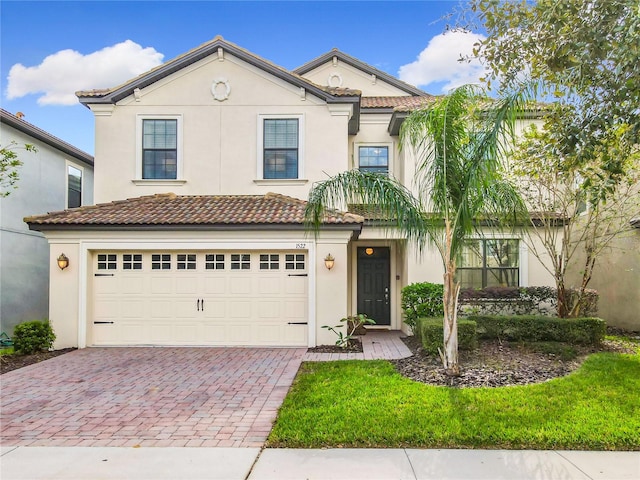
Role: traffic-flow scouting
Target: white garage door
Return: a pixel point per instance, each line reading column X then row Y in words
column 200, row 298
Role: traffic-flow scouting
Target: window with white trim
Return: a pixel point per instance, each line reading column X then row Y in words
column 159, row 148
column 240, row 261
column 374, row 159
column 161, row 261
column 132, row 261
column 214, row 261
column 74, row 187
column 107, row 261
column 294, row 261
column 186, row 261
column 489, row 262
column 269, row 261
column 280, row 147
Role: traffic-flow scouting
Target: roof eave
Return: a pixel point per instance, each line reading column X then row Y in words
column 45, row 137
column 355, row 227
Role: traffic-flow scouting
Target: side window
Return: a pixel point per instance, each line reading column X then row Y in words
column 160, row 149
column 374, row 159
column 280, row 148
column 489, row 262
column 74, row 187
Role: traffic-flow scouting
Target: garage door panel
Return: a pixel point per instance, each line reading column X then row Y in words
column 215, row 285
column 295, row 310
column 209, row 304
column 162, row 309
column 133, row 309
column 242, row 285
column 214, row 308
column 132, row 285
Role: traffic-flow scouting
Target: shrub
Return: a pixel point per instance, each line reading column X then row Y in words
column 33, row 336
column 430, row 331
column 532, row 328
column 422, row 300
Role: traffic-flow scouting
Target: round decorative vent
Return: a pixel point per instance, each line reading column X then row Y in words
column 335, row 80
column 220, row 89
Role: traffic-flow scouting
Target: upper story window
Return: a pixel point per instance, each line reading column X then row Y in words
column 374, row 159
column 489, row 262
column 74, row 187
column 160, row 149
column 281, row 147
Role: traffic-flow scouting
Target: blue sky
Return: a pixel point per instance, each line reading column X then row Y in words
column 50, row 49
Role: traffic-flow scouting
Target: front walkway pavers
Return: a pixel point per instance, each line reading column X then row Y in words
column 169, row 397
column 376, row 345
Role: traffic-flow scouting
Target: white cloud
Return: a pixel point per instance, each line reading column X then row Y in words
column 63, row 73
column 439, row 62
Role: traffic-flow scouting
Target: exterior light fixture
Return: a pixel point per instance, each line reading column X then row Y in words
column 368, row 251
column 63, row 261
column 329, row 261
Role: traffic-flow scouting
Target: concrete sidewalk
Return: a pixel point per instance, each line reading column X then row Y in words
column 118, row 463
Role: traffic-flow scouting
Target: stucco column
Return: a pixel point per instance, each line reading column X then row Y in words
column 331, row 287
column 63, row 294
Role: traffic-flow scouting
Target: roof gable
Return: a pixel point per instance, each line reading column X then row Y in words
column 218, row 47
column 359, row 65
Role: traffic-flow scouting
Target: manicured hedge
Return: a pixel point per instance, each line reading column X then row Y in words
column 537, row 328
column 422, row 300
column 431, row 334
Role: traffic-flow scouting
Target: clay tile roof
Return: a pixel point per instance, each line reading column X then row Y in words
column 405, row 102
column 170, row 209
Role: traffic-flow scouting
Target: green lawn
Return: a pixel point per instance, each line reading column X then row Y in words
column 367, row 404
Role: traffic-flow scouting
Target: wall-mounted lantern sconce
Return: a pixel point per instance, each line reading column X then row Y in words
column 63, row 261
column 329, row 261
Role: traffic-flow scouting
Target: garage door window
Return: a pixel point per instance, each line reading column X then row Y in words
column 240, row 261
column 161, row 261
column 214, row 261
column 186, row 261
column 107, row 261
column 294, row 262
column 132, row 261
column 269, row 261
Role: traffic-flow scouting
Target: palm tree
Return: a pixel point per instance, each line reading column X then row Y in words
column 460, row 142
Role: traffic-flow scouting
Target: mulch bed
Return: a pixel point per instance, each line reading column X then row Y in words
column 496, row 364
column 354, row 346
column 13, row 362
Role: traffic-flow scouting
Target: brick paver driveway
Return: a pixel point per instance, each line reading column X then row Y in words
column 147, row 397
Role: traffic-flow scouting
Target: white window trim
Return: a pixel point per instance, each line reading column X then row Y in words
column 179, row 180
column 356, row 153
column 260, row 180
column 68, row 164
column 523, row 252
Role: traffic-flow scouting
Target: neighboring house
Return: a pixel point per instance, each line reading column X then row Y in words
column 56, row 177
column 189, row 246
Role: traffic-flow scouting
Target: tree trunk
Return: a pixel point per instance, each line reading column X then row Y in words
column 450, row 299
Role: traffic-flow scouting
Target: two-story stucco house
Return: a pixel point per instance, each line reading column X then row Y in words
column 202, row 168
column 55, row 177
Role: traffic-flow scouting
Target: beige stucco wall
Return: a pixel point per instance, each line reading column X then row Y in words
column 616, row 277
column 220, row 151
column 64, row 289
column 353, row 78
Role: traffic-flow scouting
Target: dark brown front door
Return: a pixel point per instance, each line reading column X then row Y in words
column 373, row 283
